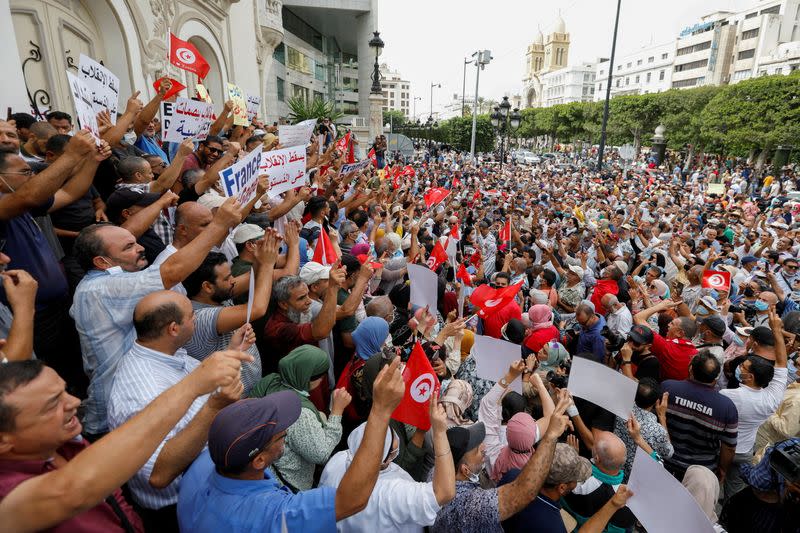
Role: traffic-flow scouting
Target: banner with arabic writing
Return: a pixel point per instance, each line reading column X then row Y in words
column 82, row 98
column 241, row 178
column 286, row 169
column 103, row 85
column 185, row 119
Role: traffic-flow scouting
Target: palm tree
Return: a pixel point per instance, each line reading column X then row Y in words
column 301, row 109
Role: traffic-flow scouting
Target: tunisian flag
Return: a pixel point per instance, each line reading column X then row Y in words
column 438, row 255
column 175, row 89
column 409, row 171
column 435, row 195
column 505, row 232
column 489, row 300
column 421, row 383
column 324, row 253
column 719, row 280
column 463, row 275
column 373, row 157
column 185, row 56
column 343, row 144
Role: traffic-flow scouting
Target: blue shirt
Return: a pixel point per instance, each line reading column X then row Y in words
column 150, row 146
column 591, row 341
column 142, row 375
column 542, row 514
column 103, row 312
column 211, row 503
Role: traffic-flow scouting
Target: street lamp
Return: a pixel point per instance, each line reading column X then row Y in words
column 504, row 124
column 415, row 105
column 376, row 44
column 438, row 86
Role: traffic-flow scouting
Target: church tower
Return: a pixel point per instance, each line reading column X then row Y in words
column 535, row 57
column 556, row 48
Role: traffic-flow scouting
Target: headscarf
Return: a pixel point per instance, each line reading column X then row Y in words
column 361, row 248
column 521, row 434
column 661, row 288
column 294, row 373
column 369, row 336
column 357, row 436
column 466, row 343
column 456, row 399
column 556, row 354
column 703, row 485
column 541, row 316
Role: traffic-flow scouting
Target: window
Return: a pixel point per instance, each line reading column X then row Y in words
column 602, row 72
column 320, row 71
column 651, row 59
column 281, row 90
column 774, row 10
column 749, row 34
column 691, row 82
column 637, row 79
column 661, row 76
column 318, row 96
column 692, row 65
column 664, row 55
column 751, row 15
column 600, row 87
column 298, row 91
column 746, row 54
column 628, row 65
column 617, row 82
column 280, row 54
column 619, row 67
column 638, row 62
column 694, row 48
column 627, row 80
column 297, row 60
column 647, row 79
column 349, row 107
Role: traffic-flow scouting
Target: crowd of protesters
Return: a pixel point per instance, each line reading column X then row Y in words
column 149, row 384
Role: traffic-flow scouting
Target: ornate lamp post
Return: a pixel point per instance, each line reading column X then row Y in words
column 376, row 44
column 376, row 93
column 505, row 124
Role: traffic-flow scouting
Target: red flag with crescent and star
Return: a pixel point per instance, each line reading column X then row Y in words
column 489, row 300
column 421, row 383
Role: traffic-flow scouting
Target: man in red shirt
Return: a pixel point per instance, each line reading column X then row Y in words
column 607, row 284
column 290, row 325
column 493, row 324
column 674, row 352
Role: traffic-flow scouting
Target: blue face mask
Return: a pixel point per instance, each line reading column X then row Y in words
column 760, row 305
column 701, row 311
column 738, row 373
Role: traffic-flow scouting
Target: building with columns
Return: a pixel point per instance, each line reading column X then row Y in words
column 270, row 48
column 544, row 55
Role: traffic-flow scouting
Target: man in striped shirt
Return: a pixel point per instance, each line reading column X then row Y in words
column 702, row 423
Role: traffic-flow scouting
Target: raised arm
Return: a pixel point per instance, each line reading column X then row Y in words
column 139, row 222
column 167, row 178
column 149, row 111
column 41, row 187
column 444, row 471
column 20, row 288
column 322, row 325
column 44, row 501
column 77, row 186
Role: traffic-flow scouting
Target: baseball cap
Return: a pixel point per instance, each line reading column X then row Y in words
column 312, row 272
column 622, row 266
column 241, row 430
column 744, row 331
column 749, row 259
column 247, row 232
column 641, row 334
column 211, row 200
column 709, row 303
column 715, row 324
column 126, row 198
column 567, row 466
column 763, row 335
column 577, row 270
column 464, row 439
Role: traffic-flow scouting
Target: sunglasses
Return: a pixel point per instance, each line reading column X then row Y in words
column 215, row 150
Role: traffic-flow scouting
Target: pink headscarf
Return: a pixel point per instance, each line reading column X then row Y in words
column 541, row 316
column 521, row 433
column 361, row 248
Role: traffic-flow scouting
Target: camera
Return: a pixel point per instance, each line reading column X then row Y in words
column 786, row 462
column 557, row 380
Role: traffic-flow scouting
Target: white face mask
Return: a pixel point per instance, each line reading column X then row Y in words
column 129, row 138
column 473, row 477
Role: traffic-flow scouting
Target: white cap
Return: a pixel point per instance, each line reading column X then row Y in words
column 577, row 270
column 247, row 232
column 622, row 266
column 312, row 272
column 211, row 200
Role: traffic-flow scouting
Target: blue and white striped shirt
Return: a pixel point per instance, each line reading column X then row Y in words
column 103, row 312
column 141, row 376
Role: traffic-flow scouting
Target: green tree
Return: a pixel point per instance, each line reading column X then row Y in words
column 457, row 132
column 633, row 115
column 394, row 117
column 681, row 114
column 300, row 109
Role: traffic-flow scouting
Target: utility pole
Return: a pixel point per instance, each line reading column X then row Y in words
column 464, row 87
column 483, row 58
column 602, row 146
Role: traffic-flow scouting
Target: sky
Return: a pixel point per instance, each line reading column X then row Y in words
column 427, row 41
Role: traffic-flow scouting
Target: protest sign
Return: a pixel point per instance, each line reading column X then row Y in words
column 203, row 93
column 185, row 119
column 250, row 293
column 660, row 502
column 239, row 110
column 602, row 386
column 253, row 103
column 424, row 287
column 241, row 178
column 103, row 85
column 493, row 357
column 82, row 97
column 351, row 167
column 286, row 169
column 298, row 134
column 716, row 188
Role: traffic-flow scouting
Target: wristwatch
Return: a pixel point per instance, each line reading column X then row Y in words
column 503, row 382
column 626, row 363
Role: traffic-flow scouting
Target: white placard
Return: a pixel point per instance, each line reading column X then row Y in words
column 602, row 386
column 186, row 119
column 241, row 178
column 297, row 135
column 424, row 287
column 250, row 293
column 493, row 357
column 102, row 83
column 660, row 502
column 82, row 97
column 253, row 103
column 350, row 167
column 286, row 169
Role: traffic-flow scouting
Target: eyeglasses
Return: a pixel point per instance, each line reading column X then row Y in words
column 27, row 172
column 790, row 267
column 215, row 150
